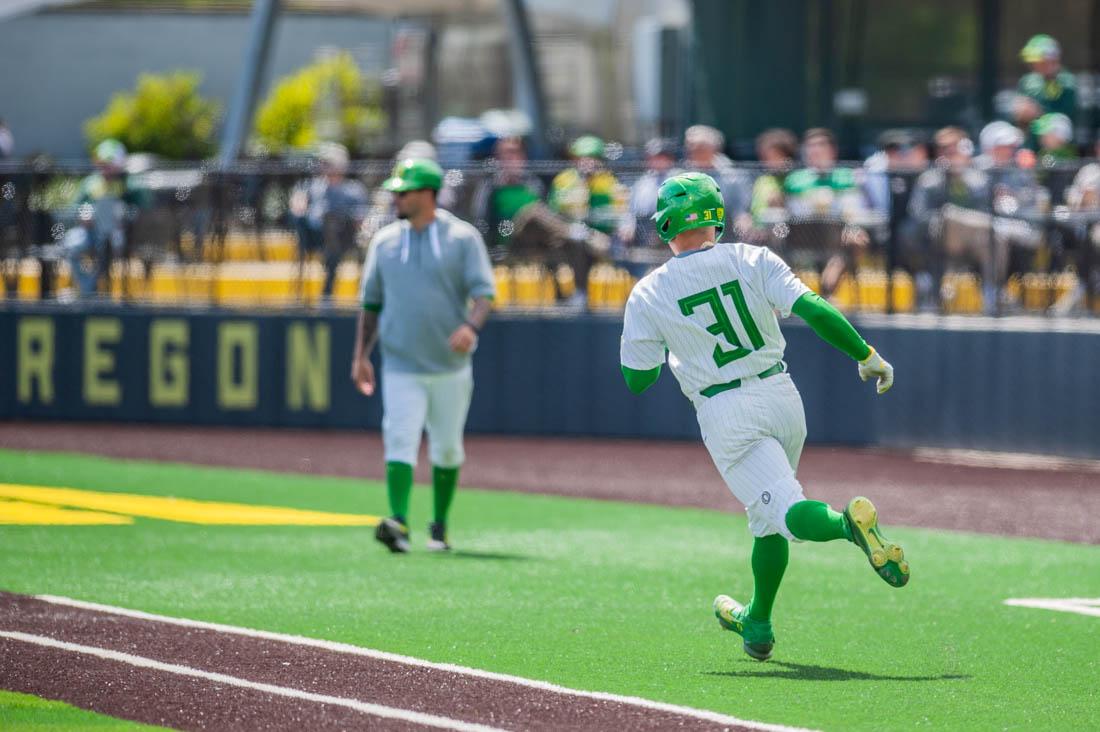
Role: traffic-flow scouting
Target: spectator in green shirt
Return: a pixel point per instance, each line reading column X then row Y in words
column 500, row 197
column 107, row 201
column 1051, row 87
column 821, row 188
column 1055, row 134
column 776, row 149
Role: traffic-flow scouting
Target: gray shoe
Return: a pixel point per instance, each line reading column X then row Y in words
column 394, row 535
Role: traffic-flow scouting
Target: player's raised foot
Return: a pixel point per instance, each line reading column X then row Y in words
column 886, row 557
column 757, row 634
column 437, row 537
column 394, row 534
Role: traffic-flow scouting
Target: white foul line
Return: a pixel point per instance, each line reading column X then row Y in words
column 377, row 710
column 1078, row 605
column 410, row 661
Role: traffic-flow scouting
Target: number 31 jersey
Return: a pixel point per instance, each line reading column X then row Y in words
column 714, row 311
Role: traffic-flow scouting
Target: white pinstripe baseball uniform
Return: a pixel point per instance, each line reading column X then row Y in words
column 714, row 311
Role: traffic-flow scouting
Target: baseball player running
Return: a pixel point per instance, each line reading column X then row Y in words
column 420, row 276
column 712, row 308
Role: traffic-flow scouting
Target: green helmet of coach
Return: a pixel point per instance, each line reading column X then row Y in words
column 689, row 201
column 414, row 174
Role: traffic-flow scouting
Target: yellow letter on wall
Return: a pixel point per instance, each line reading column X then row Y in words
column 307, row 366
column 98, row 390
column 169, row 375
column 34, row 356
column 238, row 339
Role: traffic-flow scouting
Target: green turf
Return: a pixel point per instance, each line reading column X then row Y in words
column 25, row 712
column 600, row 595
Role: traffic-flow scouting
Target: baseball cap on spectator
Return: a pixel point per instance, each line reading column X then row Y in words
column 110, row 152
column 704, row 135
column 417, row 149
column 1055, row 124
column 1040, row 47
column 660, row 146
column 999, row 134
column 333, row 155
column 587, row 146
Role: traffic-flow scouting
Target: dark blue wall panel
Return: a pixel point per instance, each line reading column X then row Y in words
column 999, row 389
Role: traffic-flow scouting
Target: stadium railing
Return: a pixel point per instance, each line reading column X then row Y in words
column 194, row 234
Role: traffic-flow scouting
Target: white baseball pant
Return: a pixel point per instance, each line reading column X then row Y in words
column 755, row 435
column 413, row 402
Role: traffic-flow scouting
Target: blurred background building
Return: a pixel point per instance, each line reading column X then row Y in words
column 624, row 69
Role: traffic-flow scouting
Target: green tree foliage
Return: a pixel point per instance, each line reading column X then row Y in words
column 328, row 100
column 164, row 115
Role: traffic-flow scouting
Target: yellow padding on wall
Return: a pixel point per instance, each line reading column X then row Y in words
column 184, row 510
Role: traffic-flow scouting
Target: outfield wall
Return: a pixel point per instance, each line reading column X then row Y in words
column 1012, row 385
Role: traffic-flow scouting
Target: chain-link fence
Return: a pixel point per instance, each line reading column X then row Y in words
column 969, row 240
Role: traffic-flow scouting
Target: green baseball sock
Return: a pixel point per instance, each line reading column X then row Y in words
column 816, row 521
column 444, row 482
column 769, row 562
column 399, row 483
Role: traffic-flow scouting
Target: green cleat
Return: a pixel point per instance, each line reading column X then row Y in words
column 886, row 557
column 757, row 634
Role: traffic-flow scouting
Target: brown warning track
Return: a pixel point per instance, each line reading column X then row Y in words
column 158, row 697
column 1040, row 503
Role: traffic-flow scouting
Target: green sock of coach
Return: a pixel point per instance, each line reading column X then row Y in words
column 444, row 483
column 399, row 482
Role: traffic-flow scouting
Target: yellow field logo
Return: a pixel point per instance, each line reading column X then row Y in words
column 27, row 504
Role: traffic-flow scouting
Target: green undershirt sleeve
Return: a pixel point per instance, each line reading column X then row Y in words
column 831, row 326
column 639, row 381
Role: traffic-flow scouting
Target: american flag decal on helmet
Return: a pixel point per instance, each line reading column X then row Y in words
column 691, row 217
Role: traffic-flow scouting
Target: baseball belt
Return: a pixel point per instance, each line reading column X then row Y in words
column 715, row 389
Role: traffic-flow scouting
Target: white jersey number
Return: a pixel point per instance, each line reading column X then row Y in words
column 722, row 325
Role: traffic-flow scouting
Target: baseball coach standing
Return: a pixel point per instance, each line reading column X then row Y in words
column 426, row 292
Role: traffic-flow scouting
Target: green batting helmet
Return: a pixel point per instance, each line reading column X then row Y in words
column 414, row 174
column 689, row 201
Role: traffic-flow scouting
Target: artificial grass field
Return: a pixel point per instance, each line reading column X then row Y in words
column 592, row 595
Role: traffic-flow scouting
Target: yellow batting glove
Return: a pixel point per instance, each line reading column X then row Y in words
column 877, row 367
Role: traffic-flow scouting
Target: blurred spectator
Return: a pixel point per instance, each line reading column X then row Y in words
column 703, row 153
column 1055, row 151
column 1084, row 194
column 900, row 151
column 588, row 193
column 776, row 149
column 826, row 207
column 106, row 203
column 500, row 197
column 822, row 188
column 1051, row 87
column 942, row 210
column 1054, row 131
column 327, row 211
column 637, row 229
column 1017, row 199
column 590, row 202
column 1083, row 237
column 7, row 141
